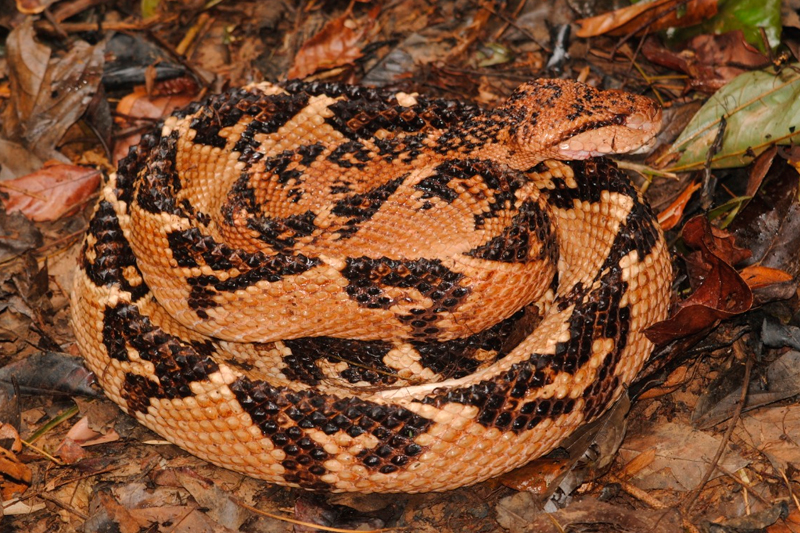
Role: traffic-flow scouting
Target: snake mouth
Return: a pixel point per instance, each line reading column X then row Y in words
column 636, row 135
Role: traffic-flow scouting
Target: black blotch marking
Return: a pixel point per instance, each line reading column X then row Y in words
column 364, row 358
column 113, row 254
column 456, row 358
column 350, row 154
column 271, row 408
column 224, row 110
column 158, row 182
column 499, row 401
column 131, row 165
column 282, row 233
column 364, row 110
column 358, row 208
column 190, row 248
column 367, row 277
column 513, row 245
column 176, row 363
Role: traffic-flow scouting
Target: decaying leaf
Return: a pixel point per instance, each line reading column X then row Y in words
column 52, row 192
column 722, row 396
column 710, row 61
column 647, row 16
column 335, row 45
column 47, row 94
column 681, row 457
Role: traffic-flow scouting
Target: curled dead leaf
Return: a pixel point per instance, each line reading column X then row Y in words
column 719, row 291
column 648, row 16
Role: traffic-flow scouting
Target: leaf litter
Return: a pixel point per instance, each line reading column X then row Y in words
column 649, row 465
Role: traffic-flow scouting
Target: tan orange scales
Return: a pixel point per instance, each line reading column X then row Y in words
column 347, row 289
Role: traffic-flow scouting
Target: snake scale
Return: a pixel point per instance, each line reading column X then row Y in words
column 343, row 288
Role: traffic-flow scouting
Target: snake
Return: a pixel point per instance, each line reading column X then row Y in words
column 346, row 288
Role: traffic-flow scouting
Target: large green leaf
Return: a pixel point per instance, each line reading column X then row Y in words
column 761, row 108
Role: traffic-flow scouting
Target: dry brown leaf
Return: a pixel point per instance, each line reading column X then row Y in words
column 663, row 14
column 671, row 215
column 11, row 467
column 82, row 434
column 719, row 291
column 757, row 276
column 52, row 192
column 9, row 435
column 638, row 463
column 335, row 45
column 710, row 61
column 48, row 95
column 70, row 452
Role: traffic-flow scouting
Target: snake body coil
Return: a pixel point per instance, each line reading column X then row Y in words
column 347, row 289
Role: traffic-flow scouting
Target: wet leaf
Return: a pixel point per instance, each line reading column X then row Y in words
column 336, row 45
column 761, row 108
column 647, row 16
column 52, row 192
column 770, row 224
column 17, row 235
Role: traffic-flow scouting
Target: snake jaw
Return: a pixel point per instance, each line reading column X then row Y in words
column 636, row 135
column 567, row 120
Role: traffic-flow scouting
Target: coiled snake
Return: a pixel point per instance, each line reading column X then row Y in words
column 348, row 289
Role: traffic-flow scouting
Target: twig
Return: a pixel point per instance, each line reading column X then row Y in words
column 638, row 493
column 65, row 506
column 509, row 21
column 692, row 497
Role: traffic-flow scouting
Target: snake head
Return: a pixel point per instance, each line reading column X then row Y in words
column 565, row 119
